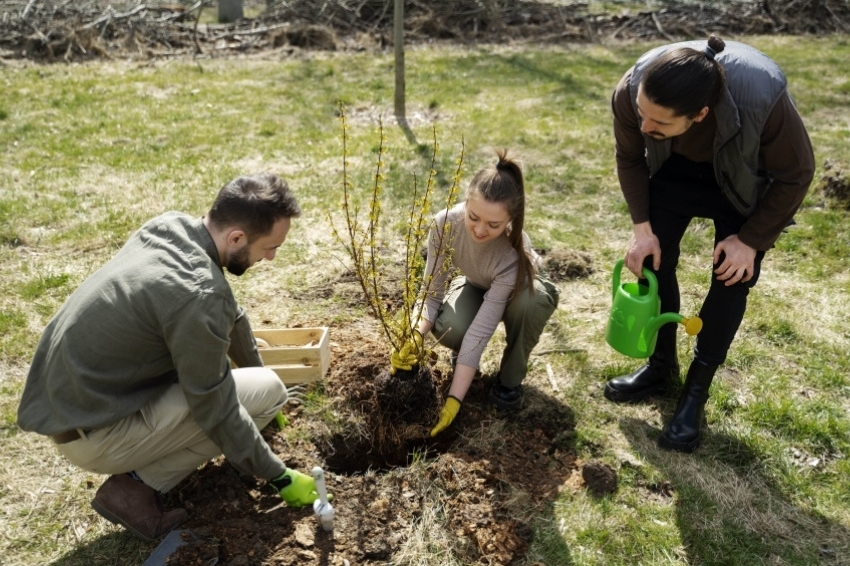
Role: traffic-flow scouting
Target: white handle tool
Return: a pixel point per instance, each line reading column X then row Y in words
column 322, row 507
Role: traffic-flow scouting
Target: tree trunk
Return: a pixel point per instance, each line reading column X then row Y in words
column 230, row 11
column 398, row 40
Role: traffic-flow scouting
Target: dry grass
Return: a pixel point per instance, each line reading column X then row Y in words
column 428, row 542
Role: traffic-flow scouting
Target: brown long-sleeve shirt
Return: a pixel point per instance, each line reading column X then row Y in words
column 786, row 154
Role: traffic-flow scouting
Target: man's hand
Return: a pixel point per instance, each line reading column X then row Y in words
column 296, row 489
column 738, row 261
column 447, row 415
column 644, row 243
column 409, row 354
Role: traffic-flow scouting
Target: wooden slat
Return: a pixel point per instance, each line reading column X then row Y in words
column 282, row 356
column 297, row 355
column 291, row 375
column 291, row 336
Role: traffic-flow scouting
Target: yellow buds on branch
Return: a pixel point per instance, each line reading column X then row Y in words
column 362, row 242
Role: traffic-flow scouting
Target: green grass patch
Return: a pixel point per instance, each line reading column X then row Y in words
column 42, row 284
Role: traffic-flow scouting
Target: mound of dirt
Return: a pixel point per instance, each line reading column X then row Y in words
column 599, row 477
column 835, row 185
column 566, row 265
column 458, row 490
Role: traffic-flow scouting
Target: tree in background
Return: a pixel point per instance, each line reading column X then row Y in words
column 230, row 11
column 398, row 40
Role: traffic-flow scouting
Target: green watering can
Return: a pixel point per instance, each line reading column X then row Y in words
column 635, row 316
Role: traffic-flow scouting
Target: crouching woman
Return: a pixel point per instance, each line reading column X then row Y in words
column 482, row 244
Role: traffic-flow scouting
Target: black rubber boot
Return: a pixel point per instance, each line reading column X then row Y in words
column 683, row 433
column 655, row 378
column 503, row 397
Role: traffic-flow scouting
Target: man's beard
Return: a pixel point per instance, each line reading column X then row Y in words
column 238, row 263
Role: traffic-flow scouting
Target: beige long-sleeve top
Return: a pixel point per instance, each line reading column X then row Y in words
column 491, row 266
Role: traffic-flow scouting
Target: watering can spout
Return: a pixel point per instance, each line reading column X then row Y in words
column 692, row 325
column 656, row 322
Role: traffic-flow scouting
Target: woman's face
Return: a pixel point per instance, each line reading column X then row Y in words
column 485, row 220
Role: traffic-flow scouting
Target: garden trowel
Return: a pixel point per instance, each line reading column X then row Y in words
column 322, row 507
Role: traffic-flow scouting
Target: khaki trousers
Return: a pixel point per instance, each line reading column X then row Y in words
column 524, row 320
column 162, row 443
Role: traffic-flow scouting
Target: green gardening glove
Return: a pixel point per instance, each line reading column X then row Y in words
column 296, row 489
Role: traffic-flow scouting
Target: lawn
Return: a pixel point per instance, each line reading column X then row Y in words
column 91, row 151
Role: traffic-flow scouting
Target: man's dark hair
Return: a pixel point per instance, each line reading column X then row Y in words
column 254, row 203
column 686, row 80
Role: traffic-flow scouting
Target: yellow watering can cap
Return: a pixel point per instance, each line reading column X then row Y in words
column 692, row 325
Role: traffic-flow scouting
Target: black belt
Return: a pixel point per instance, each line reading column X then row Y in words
column 66, row 437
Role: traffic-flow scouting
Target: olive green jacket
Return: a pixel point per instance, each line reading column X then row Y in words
column 160, row 311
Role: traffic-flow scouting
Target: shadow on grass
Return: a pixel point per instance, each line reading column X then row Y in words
column 408, row 133
column 729, row 511
column 114, row 549
column 534, row 457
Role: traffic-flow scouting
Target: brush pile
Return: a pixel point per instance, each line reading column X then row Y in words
column 65, row 30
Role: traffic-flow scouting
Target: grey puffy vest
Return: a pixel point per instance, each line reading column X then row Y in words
column 754, row 85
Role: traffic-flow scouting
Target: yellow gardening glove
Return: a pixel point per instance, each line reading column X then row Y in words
column 409, row 354
column 447, row 415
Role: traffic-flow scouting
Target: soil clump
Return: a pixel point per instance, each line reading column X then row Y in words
column 566, row 265
column 599, row 477
column 834, row 184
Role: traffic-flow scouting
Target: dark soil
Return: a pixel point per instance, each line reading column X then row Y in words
column 601, row 479
column 387, row 475
column 835, row 185
column 566, row 265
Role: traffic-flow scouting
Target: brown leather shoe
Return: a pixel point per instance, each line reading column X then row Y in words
column 138, row 507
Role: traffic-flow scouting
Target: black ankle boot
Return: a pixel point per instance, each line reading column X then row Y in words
column 503, row 397
column 652, row 379
column 683, row 432
column 655, row 378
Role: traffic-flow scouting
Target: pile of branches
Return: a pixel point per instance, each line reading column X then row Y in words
column 80, row 29
column 497, row 20
column 69, row 29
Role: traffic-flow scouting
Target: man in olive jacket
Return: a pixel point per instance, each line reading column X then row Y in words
column 132, row 377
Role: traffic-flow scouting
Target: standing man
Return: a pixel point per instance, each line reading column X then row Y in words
column 709, row 131
column 132, row 376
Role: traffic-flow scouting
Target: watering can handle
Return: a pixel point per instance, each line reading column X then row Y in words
column 647, row 274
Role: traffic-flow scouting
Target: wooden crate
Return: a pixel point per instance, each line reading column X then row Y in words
column 297, row 355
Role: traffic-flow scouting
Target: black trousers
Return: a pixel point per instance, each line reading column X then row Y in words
column 681, row 191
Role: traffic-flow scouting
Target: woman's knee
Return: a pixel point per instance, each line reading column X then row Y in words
column 538, row 305
column 450, row 336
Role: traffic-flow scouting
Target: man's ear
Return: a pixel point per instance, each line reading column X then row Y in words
column 701, row 114
column 236, row 238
